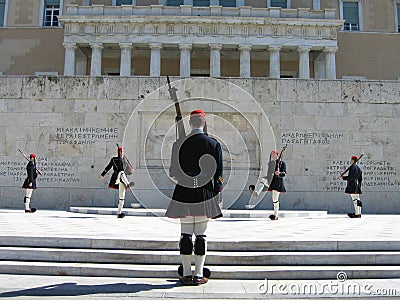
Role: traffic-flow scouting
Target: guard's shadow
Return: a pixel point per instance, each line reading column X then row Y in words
column 74, row 289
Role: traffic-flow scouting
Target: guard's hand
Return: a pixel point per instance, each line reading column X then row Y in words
column 341, row 177
column 30, row 184
column 101, row 177
column 277, row 173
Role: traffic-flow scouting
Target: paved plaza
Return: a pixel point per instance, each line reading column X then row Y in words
column 55, row 224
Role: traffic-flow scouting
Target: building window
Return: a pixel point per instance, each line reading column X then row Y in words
column 201, row 2
column 351, row 16
column 2, row 11
column 227, row 3
column 123, row 2
column 279, row 3
column 174, row 2
column 398, row 17
column 51, row 12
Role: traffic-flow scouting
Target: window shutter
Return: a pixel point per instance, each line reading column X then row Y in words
column 174, row 2
column 201, row 2
column 279, row 3
column 228, row 3
column 124, row 2
column 350, row 12
column 51, row 2
column 2, row 10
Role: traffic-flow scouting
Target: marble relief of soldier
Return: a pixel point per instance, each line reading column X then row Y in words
column 354, row 180
column 119, row 181
column 30, row 182
column 262, row 186
column 197, row 167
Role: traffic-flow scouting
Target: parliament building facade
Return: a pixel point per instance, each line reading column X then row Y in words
column 321, row 39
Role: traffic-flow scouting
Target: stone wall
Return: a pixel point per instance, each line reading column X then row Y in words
column 74, row 123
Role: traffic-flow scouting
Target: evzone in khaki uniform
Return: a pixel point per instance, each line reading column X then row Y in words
column 262, row 186
column 354, row 180
column 197, row 166
column 277, row 185
column 30, row 182
column 118, row 180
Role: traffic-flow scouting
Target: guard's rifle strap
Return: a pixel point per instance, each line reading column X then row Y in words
column 181, row 134
column 127, row 161
column 26, row 157
column 278, row 161
column 345, row 171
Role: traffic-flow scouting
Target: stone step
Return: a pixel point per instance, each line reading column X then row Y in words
column 228, row 213
column 218, row 272
column 228, row 245
column 213, row 257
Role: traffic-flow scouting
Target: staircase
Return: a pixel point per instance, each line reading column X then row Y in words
column 226, row 259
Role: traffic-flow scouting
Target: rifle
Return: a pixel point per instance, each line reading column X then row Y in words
column 127, row 161
column 26, row 157
column 180, row 127
column 362, row 154
column 278, row 161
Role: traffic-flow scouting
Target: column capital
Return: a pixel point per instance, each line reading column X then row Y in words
column 155, row 46
column 215, row 46
column 330, row 49
column 185, row 46
column 96, row 45
column 125, row 45
column 274, row 48
column 245, row 47
column 70, row 45
column 302, row 49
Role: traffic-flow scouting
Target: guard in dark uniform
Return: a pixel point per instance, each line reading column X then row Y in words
column 118, row 180
column 198, row 169
column 277, row 186
column 354, row 180
column 30, row 182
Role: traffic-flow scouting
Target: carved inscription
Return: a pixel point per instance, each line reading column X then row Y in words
column 85, row 135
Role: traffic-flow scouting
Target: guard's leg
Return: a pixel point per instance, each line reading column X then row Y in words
column 275, row 201
column 27, row 201
column 200, row 246
column 124, row 179
column 186, row 245
column 357, row 206
column 122, row 191
column 255, row 197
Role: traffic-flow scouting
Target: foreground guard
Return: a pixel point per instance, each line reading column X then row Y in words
column 354, row 180
column 277, row 185
column 121, row 168
column 196, row 163
column 30, row 182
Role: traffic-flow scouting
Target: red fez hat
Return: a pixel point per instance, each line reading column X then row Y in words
column 275, row 151
column 198, row 112
column 120, row 149
column 32, row 155
column 354, row 157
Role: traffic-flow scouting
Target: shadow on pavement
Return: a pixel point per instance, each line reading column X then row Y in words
column 74, row 289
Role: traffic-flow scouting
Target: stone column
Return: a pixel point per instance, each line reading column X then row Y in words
column 245, row 60
column 69, row 61
column 95, row 65
column 274, row 61
column 215, row 60
column 330, row 62
column 304, row 62
column 155, row 59
column 185, row 60
column 125, row 65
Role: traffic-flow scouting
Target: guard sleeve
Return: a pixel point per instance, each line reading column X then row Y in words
column 108, row 167
column 282, row 169
column 218, row 181
column 30, row 170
